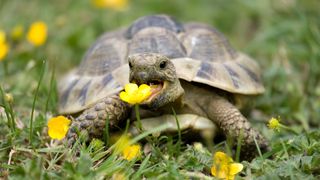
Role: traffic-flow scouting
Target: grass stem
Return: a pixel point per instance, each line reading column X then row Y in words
column 139, row 124
column 50, row 89
column 179, row 130
column 239, row 143
column 34, row 101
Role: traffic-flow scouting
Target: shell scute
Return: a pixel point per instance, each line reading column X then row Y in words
column 157, row 40
column 162, row 21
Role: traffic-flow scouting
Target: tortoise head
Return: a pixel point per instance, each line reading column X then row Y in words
column 158, row 72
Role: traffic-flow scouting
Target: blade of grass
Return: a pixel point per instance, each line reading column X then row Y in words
column 50, row 90
column 34, row 101
column 136, row 108
column 239, row 145
column 141, row 168
column 146, row 133
column 285, row 149
column 106, row 136
column 258, row 148
column 12, row 115
column 179, row 131
column 127, row 126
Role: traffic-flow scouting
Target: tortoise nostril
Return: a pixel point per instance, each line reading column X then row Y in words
column 142, row 76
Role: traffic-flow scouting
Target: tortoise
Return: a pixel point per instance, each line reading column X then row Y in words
column 192, row 66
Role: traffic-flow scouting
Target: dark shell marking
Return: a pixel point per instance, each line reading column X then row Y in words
column 252, row 75
column 64, row 97
column 234, row 76
column 102, row 58
column 157, row 40
column 83, row 93
column 106, row 79
column 207, row 43
column 205, row 71
column 161, row 21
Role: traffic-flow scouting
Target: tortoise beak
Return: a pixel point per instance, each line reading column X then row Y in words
column 156, row 90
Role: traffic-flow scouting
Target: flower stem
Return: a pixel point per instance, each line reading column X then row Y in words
column 179, row 130
column 139, row 124
column 34, row 101
column 51, row 88
column 288, row 129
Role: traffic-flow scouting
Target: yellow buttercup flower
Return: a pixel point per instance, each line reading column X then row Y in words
column 17, row 32
column 131, row 152
column 2, row 36
column 119, row 176
column 134, row 94
column 4, row 47
column 37, row 34
column 274, row 124
column 58, row 127
column 121, row 144
column 223, row 166
column 124, row 147
column 112, row 4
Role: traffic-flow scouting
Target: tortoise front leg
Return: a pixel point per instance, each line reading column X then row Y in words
column 92, row 121
column 233, row 123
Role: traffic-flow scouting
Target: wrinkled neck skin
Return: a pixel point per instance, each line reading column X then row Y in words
column 171, row 99
column 195, row 100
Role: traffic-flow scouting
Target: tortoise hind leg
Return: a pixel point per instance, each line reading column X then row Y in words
column 233, row 123
column 92, row 120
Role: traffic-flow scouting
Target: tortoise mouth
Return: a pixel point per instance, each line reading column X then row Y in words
column 157, row 87
column 156, row 90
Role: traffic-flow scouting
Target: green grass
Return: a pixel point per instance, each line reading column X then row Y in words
column 283, row 36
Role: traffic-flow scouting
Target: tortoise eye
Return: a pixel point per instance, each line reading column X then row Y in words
column 163, row 64
column 130, row 65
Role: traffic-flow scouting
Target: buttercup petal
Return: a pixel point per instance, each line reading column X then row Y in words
column 2, row 37
column 224, row 167
column 131, row 88
column 221, row 158
column 134, row 99
column 124, row 96
column 219, row 172
column 122, row 143
column 145, row 90
column 235, row 168
column 230, row 177
column 58, row 127
column 134, row 94
column 37, row 33
column 131, row 152
column 4, row 49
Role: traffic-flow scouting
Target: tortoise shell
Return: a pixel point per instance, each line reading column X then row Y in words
column 200, row 54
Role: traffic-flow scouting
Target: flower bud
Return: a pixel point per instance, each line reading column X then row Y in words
column 8, row 98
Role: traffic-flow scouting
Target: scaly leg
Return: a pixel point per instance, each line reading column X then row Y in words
column 233, row 123
column 93, row 120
